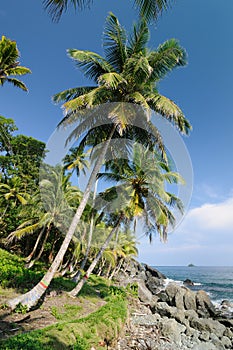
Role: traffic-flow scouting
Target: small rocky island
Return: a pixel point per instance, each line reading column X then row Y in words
column 172, row 317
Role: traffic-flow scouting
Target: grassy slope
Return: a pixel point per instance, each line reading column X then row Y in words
column 70, row 332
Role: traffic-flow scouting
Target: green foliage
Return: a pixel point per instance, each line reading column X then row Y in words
column 13, row 274
column 21, row 309
column 81, row 344
column 9, row 64
column 27, row 341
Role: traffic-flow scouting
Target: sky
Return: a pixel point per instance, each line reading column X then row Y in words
column 203, row 90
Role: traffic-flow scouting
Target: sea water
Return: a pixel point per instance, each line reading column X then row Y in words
column 216, row 281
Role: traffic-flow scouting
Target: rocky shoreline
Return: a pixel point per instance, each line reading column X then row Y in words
column 172, row 317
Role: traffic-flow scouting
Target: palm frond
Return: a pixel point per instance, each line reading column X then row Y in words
column 168, row 56
column 91, row 64
column 150, row 9
column 111, row 80
column 170, row 110
column 71, row 94
column 138, row 39
column 115, row 42
column 56, row 8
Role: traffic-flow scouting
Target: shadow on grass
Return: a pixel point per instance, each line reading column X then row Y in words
column 34, row 341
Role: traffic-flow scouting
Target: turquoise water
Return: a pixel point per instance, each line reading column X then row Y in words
column 216, row 281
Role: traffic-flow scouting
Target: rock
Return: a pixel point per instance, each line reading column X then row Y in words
column 172, row 330
column 208, row 325
column 226, row 303
column 162, row 296
column 164, row 309
column 226, row 342
column 190, row 314
column 153, row 284
column 143, row 292
column 175, row 295
column 205, row 346
column 228, row 333
column 190, row 300
column 188, row 282
column 205, row 307
column 204, row 336
column 153, row 272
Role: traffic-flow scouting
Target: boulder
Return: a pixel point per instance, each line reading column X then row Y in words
column 144, row 293
column 172, row 330
column 190, row 300
column 205, row 307
column 208, row 325
column 153, row 284
column 175, row 295
column 188, row 282
column 154, row 273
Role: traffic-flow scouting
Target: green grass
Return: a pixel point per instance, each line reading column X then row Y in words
column 103, row 325
column 70, row 332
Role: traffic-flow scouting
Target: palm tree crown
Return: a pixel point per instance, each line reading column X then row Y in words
column 9, row 65
column 130, row 73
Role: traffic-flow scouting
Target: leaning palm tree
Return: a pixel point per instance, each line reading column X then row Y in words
column 149, row 9
column 9, row 65
column 140, row 193
column 128, row 78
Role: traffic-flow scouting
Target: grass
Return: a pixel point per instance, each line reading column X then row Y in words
column 98, row 329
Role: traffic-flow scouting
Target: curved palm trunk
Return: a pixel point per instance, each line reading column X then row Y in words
column 79, row 286
column 32, row 262
column 83, row 264
column 29, row 257
column 32, row 297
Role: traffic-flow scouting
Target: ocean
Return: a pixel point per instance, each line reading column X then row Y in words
column 216, row 281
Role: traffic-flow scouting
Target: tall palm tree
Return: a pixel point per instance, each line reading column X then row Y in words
column 128, row 78
column 9, row 65
column 140, row 193
column 149, row 9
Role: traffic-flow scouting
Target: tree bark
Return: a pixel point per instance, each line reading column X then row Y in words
column 83, row 264
column 79, row 286
column 29, row 258
column 32, row 297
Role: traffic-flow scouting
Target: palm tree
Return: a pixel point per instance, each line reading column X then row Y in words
column 128, row 79
column 140, row 193
column 9, row 65
column 149, row 9
column 56, row 192
column 76, row 161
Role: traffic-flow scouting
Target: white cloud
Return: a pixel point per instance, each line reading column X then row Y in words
column 205, row 237
column 214, row 217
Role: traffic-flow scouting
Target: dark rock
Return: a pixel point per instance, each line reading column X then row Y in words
column 154, row 272
column 188, row 282
column 153, row 284
column 162, row 296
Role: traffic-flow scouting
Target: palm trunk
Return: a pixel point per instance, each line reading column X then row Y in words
column 41, row 249
column 101, row 268
column 83, row 264
column 29, row 257
column 32, row 297
column 116, row 268
column 79, row 286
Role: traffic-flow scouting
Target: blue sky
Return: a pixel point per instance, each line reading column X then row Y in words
column 203, row 89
